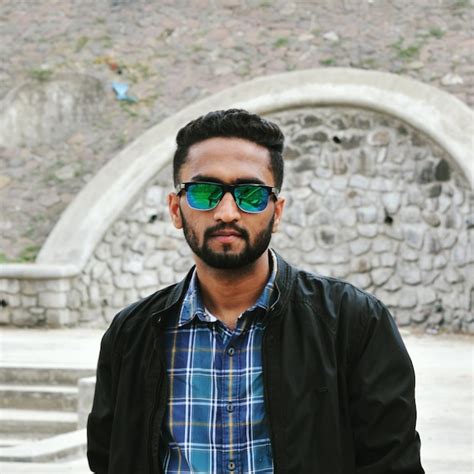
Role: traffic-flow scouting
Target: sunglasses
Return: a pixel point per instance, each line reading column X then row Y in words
column 251, row 198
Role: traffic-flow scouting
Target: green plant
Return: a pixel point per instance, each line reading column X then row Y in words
column 3, row 258
column 41, row 75
column 280, row 42
column 327, row 62
column 406, row 53
column 80, row 43
column 28, row 254
column 436, row 32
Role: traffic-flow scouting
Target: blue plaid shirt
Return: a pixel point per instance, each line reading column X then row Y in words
column 215, row 418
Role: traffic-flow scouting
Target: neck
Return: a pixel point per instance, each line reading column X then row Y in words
column 228, row 293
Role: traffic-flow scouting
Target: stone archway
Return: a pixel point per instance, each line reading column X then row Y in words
column 365, row 148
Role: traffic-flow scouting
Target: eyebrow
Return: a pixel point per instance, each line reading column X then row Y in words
column 211, row 179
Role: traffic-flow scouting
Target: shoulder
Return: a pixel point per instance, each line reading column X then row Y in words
column 337, row 300
column 138, row 317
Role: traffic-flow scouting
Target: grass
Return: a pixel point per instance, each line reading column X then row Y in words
column 80, row 43
column 406, row 53
column 281, row 42
column 327, row 62
column 436, row 32
column 41, row 75
column 28, row 254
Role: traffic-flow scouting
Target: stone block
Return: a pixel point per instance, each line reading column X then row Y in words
column 394, row 283
column 102, row 252
column 147, row 279
column 167, row 243
column 452, row 275
column 124, row 281
column 410, row 214
column 388, row 298
column 431, row 218
column 59, row 284
column 59, row 317
column 86, row 388
column 409, row 273
column 409, row 254
column 367, row 230
column 13, row 301
column 181, row 265
column 391, row 202
column 382, row 244
column 48, row 299
column 296, row 214
column 439, row 261
column 133, row 263
column 426, row 295
column 360, row 246
column 166, row 275
column 98, row 269
column 307, row 242
column 361, row 280
column 320, row 186
column 9, row 285
column 360, row 265
column 408, row 298
column 426, row 262
column 22, row 317
column 388, row 259
column 359, row 181
column 317, row 256
column 5, row 315
column 381, row 275
column 74, row 299
column 414, row 237
column 367, row 215
column 28, row 301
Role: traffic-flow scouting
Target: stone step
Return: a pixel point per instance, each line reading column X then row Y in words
column 39, row 397
column 35, row 422
column 43, row 375
column 70, row 445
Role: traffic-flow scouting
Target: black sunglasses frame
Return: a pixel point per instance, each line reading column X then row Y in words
column 227, row 188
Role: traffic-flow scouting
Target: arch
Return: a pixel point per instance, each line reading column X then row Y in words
column 442, row 117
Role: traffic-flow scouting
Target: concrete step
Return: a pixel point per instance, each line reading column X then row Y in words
column 42, row 375
column 39, row 397
column 36, row 423
column 61, row 447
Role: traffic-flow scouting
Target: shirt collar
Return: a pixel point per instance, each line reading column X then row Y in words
column 193, row 305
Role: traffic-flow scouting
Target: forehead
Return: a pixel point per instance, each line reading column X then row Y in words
column 227, row 160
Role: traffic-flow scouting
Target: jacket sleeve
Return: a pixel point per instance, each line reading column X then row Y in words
column 99, row 422
column 382, row 398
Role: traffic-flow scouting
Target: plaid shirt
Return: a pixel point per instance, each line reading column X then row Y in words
column 215, row 418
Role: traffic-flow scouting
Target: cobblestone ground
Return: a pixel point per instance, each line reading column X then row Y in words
column 173, row 52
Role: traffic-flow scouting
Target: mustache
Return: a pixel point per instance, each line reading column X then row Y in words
column 211, row 230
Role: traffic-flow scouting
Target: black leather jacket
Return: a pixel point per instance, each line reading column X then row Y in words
column 339, row 384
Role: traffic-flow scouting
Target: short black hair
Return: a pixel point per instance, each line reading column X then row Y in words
column 235, row 123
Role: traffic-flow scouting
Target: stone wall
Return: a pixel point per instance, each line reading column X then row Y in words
column 369, row 200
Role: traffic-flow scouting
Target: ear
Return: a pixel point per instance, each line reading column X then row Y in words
column 173, row 207
column 279, row 205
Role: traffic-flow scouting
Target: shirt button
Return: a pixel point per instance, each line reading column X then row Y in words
column 231, row 465
column 230, row 351
column 230, row 407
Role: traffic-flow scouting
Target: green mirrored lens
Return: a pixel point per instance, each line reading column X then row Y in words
column 203, row 196
column 251, row 198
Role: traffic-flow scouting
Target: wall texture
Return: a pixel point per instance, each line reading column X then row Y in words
column 369, row 200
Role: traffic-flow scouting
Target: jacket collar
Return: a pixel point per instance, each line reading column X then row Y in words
column 284, row 281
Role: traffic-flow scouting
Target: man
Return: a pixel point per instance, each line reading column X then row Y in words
column 249, row 365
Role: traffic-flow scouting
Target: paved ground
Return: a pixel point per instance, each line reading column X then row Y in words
column 445, row 389
column 174, row 52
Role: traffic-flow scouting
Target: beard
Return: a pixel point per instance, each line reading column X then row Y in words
column 225, row 259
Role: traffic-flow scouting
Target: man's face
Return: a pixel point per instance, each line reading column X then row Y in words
column 226, row 236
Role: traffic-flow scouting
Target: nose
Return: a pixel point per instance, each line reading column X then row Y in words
column 227, row 210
